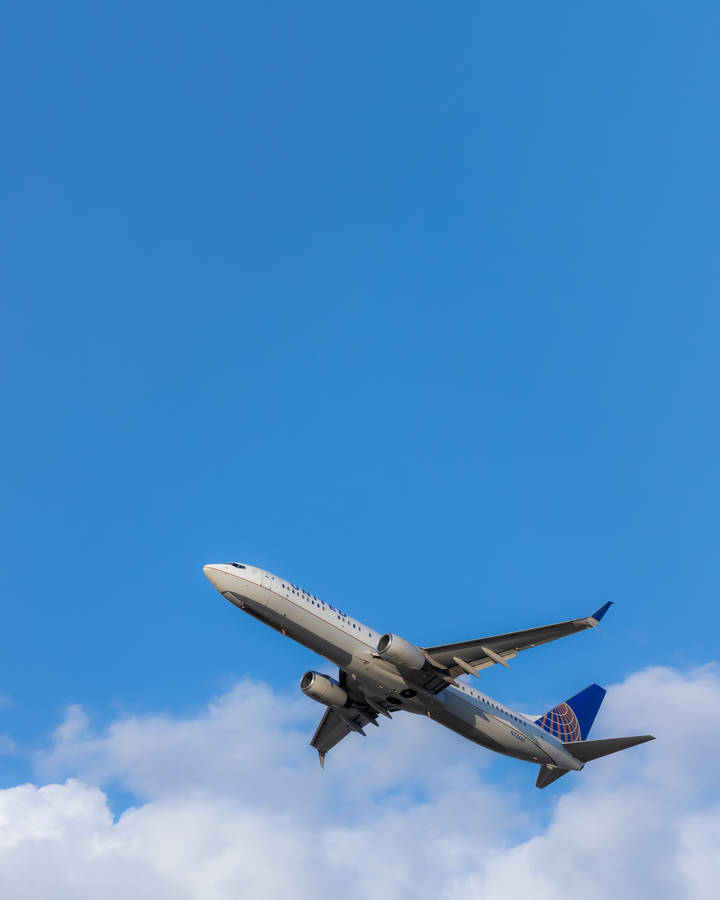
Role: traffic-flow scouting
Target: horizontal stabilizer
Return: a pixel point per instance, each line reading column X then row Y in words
column 587, row 750
column 548, row 774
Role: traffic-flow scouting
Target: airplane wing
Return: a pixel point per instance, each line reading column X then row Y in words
column 337, row 724
column 483, row 652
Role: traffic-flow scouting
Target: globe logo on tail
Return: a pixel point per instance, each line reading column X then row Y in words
column 562, row 722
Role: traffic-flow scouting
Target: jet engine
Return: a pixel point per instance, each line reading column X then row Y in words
column 400, row 652
column 323, row 689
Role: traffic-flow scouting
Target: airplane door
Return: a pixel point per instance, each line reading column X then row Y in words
column 271, row 584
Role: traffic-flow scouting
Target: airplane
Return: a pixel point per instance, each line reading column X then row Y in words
column 380, row 674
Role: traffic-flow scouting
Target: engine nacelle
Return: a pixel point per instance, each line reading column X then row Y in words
column 323, row 689
column 400, row 652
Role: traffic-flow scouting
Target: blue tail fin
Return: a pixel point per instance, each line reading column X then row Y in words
column 572, row 720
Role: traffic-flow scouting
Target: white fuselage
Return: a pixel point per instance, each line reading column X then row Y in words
column 352, row 646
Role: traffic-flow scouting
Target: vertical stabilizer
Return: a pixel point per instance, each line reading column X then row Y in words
column 572, row 720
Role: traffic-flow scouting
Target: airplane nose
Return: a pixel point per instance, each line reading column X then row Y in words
column 211, row 573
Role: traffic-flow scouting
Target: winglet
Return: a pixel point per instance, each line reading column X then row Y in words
column 596, row 616
column 322, row 759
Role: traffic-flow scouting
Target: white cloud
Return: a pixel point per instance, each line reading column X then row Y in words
column 232, row 804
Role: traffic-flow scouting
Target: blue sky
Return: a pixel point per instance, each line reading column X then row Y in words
column 414, row 306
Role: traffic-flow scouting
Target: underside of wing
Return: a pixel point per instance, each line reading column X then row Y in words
column 468, row 656
column 337, row 723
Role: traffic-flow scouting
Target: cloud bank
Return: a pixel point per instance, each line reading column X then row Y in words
column 232, row 804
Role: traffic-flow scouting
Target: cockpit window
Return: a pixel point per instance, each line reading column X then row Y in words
column 238, row 565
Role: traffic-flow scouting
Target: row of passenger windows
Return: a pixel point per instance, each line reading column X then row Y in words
column 467, row 690
column 313, row 600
